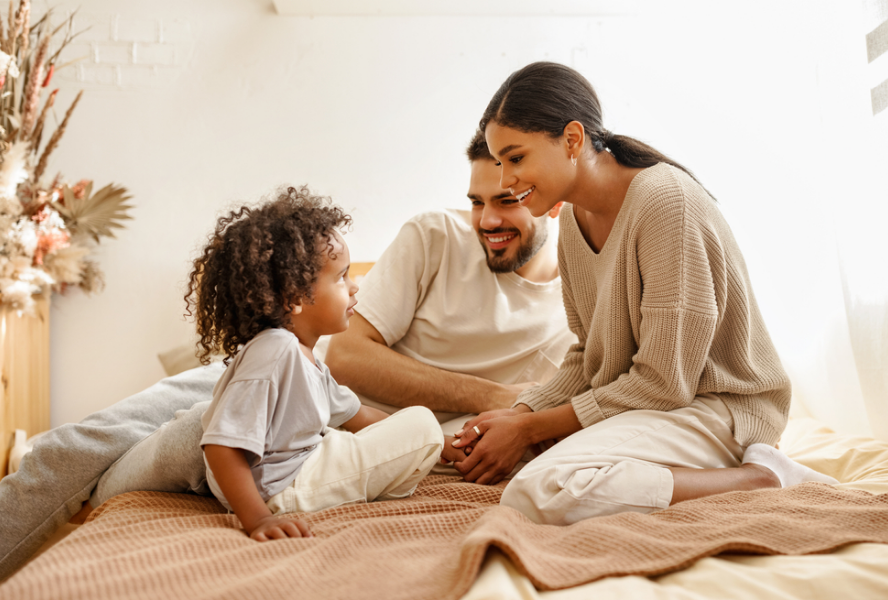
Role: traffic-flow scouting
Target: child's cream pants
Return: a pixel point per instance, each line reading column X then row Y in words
column 383, row 461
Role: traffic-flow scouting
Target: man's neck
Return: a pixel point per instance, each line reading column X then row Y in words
column 543, row 267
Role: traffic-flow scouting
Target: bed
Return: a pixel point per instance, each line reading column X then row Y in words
column 451, row 540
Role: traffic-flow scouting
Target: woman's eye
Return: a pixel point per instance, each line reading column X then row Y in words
column 515, row 159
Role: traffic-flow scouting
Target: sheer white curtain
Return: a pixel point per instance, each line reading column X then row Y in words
column 853, row 173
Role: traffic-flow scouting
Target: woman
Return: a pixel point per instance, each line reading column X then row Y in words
column 675, row 390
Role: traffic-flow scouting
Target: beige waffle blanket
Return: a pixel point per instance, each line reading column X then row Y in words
column 154, row 545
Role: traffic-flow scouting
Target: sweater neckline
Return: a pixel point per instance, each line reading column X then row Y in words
column 618, row 222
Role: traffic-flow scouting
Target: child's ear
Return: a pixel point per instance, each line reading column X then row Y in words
column 294, row 306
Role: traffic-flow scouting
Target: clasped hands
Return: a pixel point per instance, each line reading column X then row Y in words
column 490, row 457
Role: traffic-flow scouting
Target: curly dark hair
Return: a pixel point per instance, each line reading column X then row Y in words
column 257, row 263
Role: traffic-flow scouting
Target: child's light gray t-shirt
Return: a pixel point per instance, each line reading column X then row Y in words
column 273, row 403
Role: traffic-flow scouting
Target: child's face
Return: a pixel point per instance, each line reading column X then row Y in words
column 334, row 293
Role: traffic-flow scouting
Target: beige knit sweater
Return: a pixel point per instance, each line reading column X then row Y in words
column 665, row 312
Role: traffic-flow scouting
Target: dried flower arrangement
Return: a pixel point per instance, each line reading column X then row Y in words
column 47, row 229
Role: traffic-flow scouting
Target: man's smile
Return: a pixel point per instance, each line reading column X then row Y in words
column 497, row 240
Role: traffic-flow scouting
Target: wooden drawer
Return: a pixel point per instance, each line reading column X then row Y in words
column 24, row 358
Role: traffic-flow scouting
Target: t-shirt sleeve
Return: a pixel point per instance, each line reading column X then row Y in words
column 241, row 416
column 344, row 404
column 397, row 284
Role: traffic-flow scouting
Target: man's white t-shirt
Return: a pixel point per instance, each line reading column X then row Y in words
column 275, row 404
column 433, row 298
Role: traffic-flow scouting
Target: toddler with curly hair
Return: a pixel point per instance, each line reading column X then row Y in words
column 271, row 280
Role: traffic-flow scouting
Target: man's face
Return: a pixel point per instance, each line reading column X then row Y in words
column 509, row 234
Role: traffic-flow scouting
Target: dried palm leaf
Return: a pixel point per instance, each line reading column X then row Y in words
column 96, row 214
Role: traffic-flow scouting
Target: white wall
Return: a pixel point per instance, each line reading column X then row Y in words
column 224, row 99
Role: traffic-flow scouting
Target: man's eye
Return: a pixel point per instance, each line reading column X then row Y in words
column 477, row 203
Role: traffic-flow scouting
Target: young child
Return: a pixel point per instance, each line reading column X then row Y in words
column 269, row 283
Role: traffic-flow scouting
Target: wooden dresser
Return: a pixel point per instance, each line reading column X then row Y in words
column 24, row 359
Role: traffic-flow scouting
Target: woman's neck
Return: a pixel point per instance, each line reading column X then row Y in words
column 601, row 186
column 601, row 189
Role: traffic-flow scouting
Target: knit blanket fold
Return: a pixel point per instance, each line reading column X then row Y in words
column 432, row 545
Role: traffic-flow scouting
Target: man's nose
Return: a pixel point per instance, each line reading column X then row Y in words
column 490, row 217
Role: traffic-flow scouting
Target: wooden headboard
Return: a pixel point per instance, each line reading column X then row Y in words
column 357, row 270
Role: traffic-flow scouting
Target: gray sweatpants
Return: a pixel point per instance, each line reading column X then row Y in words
column 66, row 464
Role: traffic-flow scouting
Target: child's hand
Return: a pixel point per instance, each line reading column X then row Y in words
column 277, row 527
column 449, row 454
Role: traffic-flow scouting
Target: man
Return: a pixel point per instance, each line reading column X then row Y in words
column 456, row 317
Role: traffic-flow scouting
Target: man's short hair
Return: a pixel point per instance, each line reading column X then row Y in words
column 477, row 149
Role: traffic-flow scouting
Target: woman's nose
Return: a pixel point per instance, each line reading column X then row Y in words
column 507, row 179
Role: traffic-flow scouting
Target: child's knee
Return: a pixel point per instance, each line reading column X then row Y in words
column 423, row 422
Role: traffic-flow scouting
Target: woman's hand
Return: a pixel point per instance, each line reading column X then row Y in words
column 497, row 450
column 277, row 527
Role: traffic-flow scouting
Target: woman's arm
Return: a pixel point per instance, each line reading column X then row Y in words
column 232, row 473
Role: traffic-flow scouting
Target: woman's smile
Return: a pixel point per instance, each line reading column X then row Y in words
column 524, row 197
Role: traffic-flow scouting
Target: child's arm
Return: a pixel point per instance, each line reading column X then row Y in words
column 232, row 473
column 367, row 415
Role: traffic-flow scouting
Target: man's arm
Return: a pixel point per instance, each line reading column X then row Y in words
column 360, row 359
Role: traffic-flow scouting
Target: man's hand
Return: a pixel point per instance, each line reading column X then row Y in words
column 508, row 396
column 277, row 527
column 497, row 450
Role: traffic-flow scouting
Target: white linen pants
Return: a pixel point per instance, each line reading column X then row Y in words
column 621, row 464
column 383, row 461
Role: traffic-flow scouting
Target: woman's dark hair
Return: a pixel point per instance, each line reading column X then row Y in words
column 546, row 96
column 256, row 264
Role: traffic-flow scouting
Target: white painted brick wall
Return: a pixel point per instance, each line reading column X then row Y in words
column 127, row 29
column 115, row 54
column 116, row 51
column 155, row 54
column 174, row 31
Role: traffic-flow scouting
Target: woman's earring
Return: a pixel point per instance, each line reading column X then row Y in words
column 573, row 160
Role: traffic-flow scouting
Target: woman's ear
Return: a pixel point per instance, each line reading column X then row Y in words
column 555, row 210
column 574, row 138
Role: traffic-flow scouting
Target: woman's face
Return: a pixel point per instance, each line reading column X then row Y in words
column 534, row 166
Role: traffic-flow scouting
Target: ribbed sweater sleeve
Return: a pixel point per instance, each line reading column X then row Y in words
column 571, row 380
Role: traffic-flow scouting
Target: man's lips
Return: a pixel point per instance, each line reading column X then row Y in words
column 500, row 239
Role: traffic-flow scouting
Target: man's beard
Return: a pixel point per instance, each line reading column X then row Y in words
column 498, row 262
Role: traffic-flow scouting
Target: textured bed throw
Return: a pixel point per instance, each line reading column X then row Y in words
column 154, row 545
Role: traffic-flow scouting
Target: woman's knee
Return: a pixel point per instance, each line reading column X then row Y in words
column 564, row 494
